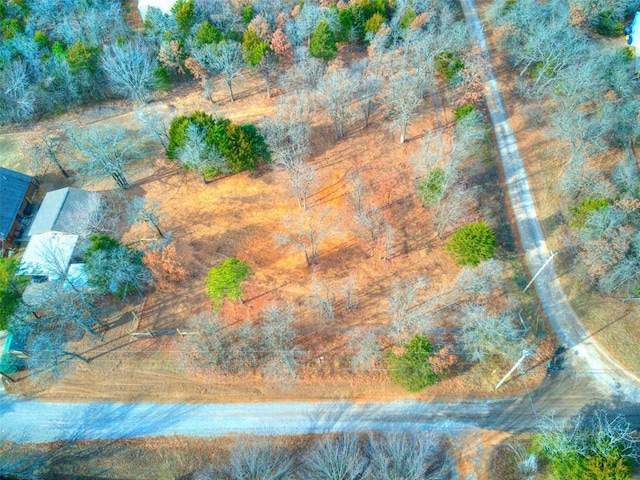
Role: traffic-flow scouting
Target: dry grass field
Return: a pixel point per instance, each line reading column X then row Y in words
column 238, row 216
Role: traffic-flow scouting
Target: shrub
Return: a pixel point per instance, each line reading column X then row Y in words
column 11, row 287
column 580, row 212
column 408, row 17
column 223, row 281
column 431, row 188
column 463, row 111
column 41, row 38
column 509, row 5
column 9, row 364
column 472, row 244
column 59, row 50
column 247, row 14
column 626, row 54
column 374, row 23
column 608, row 24
column 412, row 369
column 589, row 448
column 11, row 27
column 448, row 64
column 161, row 78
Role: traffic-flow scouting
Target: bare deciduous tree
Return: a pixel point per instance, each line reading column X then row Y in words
column 224, row 58
column 288, row 137
column 157, row 124
column 198, row 155
column 406, row 456
column 335, row 459
column 369, row 83
column 129, row 69
column 322, row 299
column 349, row 294
column 254, row 459
column 366, row 349
column 277, row 341
column 17, row 102
column 402, row 101
column 307, row 232
column 42, row 148
column 107, row 152
column 402, row 303
column 487, row 335
column 335, row 89
column 49, row 359
column 219, row 346
column 140, row 211
column 597, row 435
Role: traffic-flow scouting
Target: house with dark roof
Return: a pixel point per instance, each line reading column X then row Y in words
column 16, row 192
column 67, row 210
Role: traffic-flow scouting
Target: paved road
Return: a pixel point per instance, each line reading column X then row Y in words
column 585, row 351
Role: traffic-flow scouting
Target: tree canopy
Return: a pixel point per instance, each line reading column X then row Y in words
column 472, row 244
column 323, row 42
column 242, row 146
column 412, row 369
column 223, row 281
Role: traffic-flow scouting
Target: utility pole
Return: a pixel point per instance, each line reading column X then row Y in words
column 553, row 254
column 525, row 354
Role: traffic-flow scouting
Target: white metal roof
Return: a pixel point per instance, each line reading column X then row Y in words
column 48, row 254
column 67, row 210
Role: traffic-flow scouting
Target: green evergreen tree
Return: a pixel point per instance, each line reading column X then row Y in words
column 323, row 42
column 412, row 369
column 472, row 244
column 253, row 48
column 223, row 281
column 83, row 57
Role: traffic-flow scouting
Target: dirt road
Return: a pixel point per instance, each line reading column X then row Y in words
column 584, row 352
column 37, row 421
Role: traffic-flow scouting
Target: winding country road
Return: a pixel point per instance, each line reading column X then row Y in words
column 587, row 354
column 565, row 395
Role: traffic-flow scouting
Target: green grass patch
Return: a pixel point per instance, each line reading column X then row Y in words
column 10, row 156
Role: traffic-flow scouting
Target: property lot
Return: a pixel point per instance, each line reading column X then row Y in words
column 238, row 216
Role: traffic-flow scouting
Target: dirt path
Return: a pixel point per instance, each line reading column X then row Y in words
column 586, row 353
